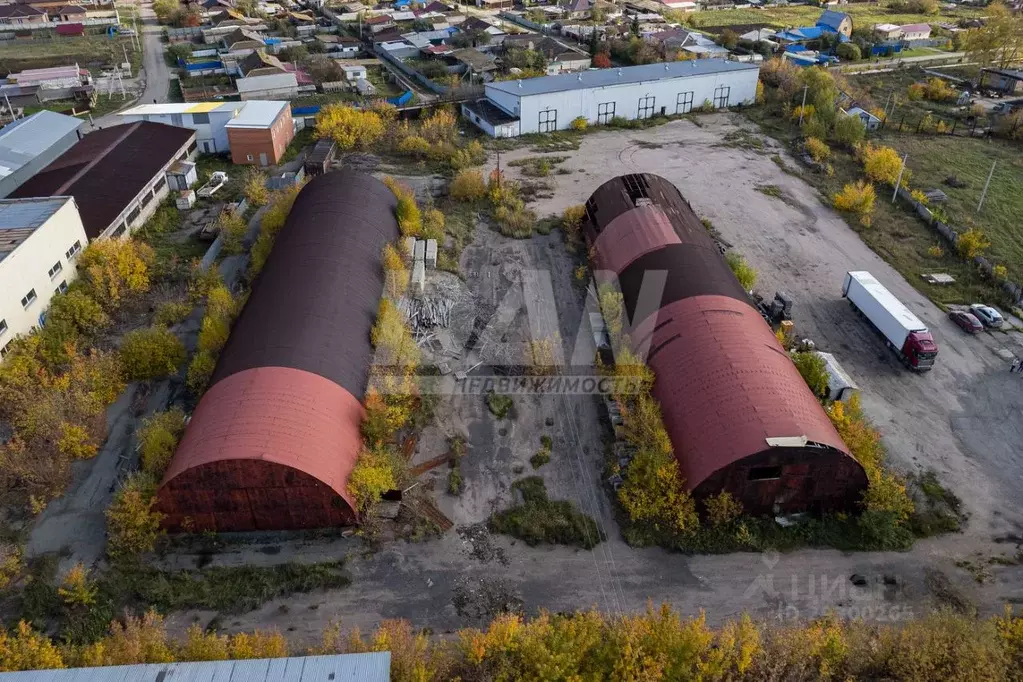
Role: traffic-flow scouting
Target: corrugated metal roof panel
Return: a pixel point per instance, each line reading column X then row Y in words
column 602, row 78
column 368, row 667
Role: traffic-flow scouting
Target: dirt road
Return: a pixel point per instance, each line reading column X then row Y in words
column 962, row 419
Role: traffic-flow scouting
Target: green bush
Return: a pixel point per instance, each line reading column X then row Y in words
column 540, row 520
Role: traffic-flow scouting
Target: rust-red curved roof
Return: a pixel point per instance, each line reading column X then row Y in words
column 726, row 385
column 279, row 415
column 273, row 440
column 734, row 404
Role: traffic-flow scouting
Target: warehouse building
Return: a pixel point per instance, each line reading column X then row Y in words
column 550, row 103
column 740, row 417
column 29, row 144
column 272, row 442
column 117, row 175
column 40, row 240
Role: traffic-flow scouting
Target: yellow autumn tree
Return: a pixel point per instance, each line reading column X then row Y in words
column 151, row 353
column 350, row 128
column 372, row 476
column 883, row 164
column 433, row 224
column 158, row 437
column 468, row 185
column 133, row 524
column 114, row 269
column 255, row 187
column 76, row 589
column 26, row 649
column 857, row 198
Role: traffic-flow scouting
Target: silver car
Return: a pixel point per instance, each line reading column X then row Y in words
column 988, row 316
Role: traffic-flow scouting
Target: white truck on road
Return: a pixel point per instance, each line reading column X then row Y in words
column 903, row 331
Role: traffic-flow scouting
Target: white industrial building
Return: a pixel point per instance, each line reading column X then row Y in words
column 40, row 240
column 208, row 119
column 549, row 103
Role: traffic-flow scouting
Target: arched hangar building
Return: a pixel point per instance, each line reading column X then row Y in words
column 273, row 440
column 740, row 417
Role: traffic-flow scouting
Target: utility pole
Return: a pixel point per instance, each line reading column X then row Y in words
column 899, row 181
column 982, row 194
column 126, row 60
column 802, row 107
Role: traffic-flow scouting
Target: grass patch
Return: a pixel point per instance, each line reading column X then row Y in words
column 302, row 139
column 933, row 159
column 499, row 404
column 540, row 520
column 770, row 190
column 742, row 139
column 938, row 509
column 537, row 166
column 543, row 455
column 47, row 51
column 805, row 15
column 229, row 590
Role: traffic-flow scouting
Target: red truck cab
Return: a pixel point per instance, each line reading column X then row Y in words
column 920, row 350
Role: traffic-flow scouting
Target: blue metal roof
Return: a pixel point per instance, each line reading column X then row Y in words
column 832, row 19
column 602, row 78
column 372, row 667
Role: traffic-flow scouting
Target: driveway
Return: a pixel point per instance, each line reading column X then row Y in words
column 155, row 72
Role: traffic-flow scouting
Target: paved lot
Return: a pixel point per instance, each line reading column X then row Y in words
column 962, row 419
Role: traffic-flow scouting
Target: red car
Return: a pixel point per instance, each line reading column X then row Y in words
column 966, row 321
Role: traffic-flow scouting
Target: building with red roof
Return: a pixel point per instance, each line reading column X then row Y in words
column 740, row 417
column 272, row 442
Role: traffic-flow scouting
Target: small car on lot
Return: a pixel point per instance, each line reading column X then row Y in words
column 988, row 316
column 968, row 322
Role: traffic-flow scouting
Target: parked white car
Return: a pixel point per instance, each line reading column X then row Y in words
column 987, row 315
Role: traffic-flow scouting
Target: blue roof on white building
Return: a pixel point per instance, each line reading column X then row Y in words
column 602, row 78
column 371, row 667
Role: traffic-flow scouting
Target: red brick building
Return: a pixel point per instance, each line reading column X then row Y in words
column 260, row 133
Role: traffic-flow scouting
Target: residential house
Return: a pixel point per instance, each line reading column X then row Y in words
column 271, row 86
column 397, row 49
column 912, row 32
column 869, row 120
column 378, row 23
column 1006, row 81
column 836, row 22
column 259, row 63
column 117, row 175
column 758, row 35
column 560, row 57
column 260, row 133
column 475, row 24
column 208, row 119
column 22, row 15
column 353, row 73
column 342, row 47
column 689, row 41
column 888, row 32
column 69, row 13
column 241, row 41
column 495, row 4
column 53, row 77
column 40, row 240
column 476, row 63
column 435, row 6
column 577, row 9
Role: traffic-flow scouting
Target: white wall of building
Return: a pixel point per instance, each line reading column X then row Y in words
column 28, row 267
column 669, row 96
column 211, row 135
